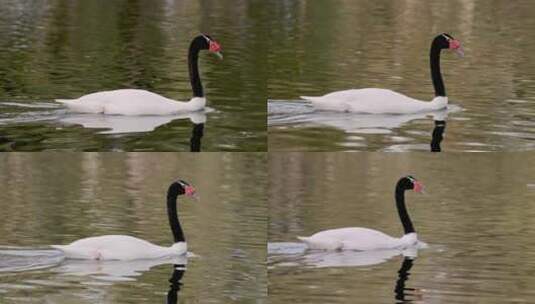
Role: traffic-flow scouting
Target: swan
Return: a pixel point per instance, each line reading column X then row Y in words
column 382, row 101
column 126, row 248
column 134, row 102
column 364, row 239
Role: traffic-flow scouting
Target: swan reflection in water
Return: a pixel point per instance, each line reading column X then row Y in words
column 18, row 260
column 196, row 135
column 438, row 135
column 118, row 124
column 175, row 284
column 297, row 254
column 106, row 124
column 292, row 113
column 113, row 271
column 405, row 294
column 24, row 260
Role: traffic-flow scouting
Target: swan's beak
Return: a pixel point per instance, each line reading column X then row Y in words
column 216, row 49
column 219, row 55
column 455, row 45
column 191, row 192
column 418, row 187
column 460, row 52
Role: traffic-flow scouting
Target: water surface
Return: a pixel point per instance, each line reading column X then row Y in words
column 50, row 198
column 65, row 49
column 323, row 46
column 476, row 219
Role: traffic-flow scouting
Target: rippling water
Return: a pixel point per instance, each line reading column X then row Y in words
column 49, row 198
column 324, row 46
column 54, row 49
column 476, row 218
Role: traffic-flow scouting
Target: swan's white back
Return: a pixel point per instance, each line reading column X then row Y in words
column 357, row 238
column 131, row 102
column 374, row 101
column 118, row 247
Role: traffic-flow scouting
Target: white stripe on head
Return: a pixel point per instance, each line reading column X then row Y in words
column 182, row 183
column 206, row 37
column 447, row 37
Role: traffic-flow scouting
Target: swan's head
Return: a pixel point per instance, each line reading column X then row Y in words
column 208, row 43
column 181, row 187
column 446, row 41
column 410, row 183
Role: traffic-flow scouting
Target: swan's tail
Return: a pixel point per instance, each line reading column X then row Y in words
column 311, row 98
column 64, row 100
column 303, row 239
column 59, row 247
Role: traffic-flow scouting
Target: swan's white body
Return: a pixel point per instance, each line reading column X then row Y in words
column 362, row 239
column 131, row 102
column 118, row 247
column 375, row 101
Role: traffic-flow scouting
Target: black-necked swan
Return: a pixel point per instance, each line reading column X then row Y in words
column 124, row 247
column 383, row 101
column 363, row 239
column 141, row 102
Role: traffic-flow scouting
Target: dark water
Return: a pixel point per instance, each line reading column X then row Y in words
column 65, row 49
column 476, row 218
column 324, row 46
column 96, row 194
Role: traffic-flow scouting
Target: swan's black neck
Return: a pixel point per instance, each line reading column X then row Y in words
column 402, row 209
column 172, row 214
column 438, row 135
column 196, row 136
column 436, row 75
column 193, row 64
column 400, row 290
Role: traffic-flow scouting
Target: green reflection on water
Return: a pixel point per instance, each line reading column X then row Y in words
column 65, row 49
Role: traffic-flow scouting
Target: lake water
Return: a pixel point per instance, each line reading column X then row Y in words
column 49, row 198
column 476, row 218
column 54, row 49
column 320, row 47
